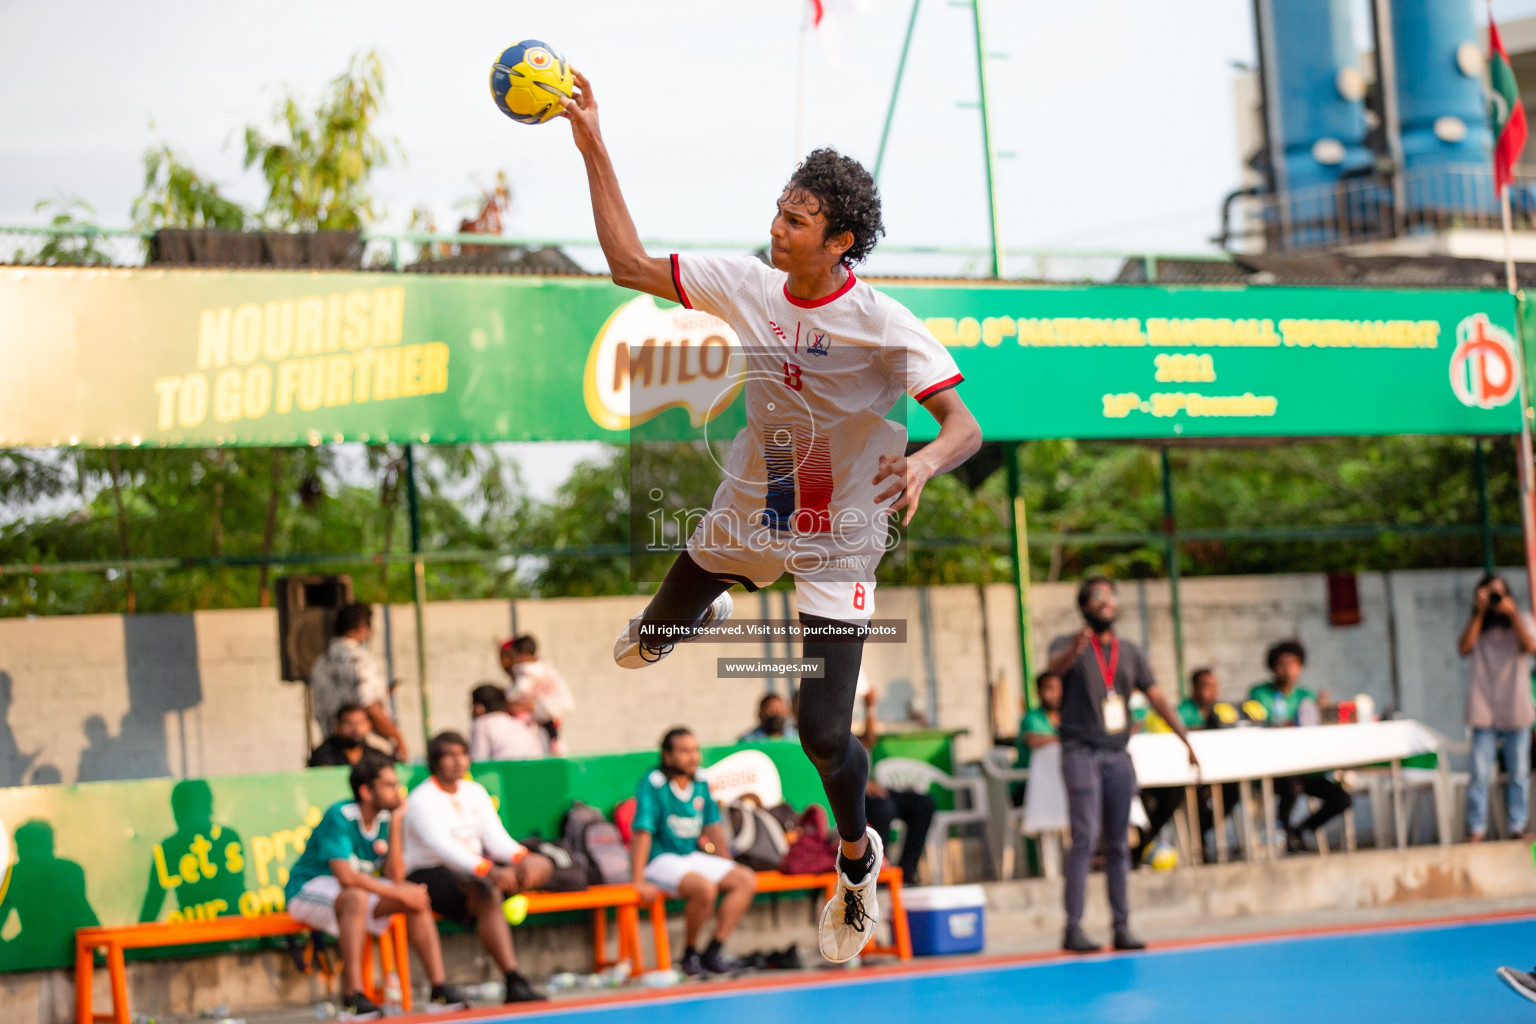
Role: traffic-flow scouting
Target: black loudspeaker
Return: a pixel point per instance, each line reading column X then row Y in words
column 306, row 619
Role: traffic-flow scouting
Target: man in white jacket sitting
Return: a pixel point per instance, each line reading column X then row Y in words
column 456, row 846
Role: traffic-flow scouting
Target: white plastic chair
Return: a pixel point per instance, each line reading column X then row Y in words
column 1005, row 823
column 1045, row 808
column 908, row 775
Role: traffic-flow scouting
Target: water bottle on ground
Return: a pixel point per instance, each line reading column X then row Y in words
column 484, row 992
column 393, row 1000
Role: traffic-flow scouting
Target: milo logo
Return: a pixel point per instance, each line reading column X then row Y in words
column 647, row 360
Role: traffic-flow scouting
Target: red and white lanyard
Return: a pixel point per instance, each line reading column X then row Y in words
column 1107, row 668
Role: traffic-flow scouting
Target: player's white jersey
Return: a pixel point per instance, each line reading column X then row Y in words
column 820, row 379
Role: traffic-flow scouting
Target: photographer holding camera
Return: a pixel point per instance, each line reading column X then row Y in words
column 1499, row 639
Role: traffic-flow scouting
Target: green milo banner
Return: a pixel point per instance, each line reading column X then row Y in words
column 193, row 357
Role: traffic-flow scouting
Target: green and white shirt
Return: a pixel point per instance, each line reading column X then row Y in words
column 341, row 836
column 675, row 817
column 1281, row 708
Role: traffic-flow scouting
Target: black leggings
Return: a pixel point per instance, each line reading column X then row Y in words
column 826, row 725
column 826, row 705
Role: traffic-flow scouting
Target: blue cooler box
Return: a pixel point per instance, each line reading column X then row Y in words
column 946, row 918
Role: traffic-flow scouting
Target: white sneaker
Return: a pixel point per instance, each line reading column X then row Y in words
column 1524, row 984
column 630, row 652
column 849, row 918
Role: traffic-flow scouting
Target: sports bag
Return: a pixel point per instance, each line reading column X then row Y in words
column 586, row 831
column 814, row 850
column 757, row 839
column 572, row 869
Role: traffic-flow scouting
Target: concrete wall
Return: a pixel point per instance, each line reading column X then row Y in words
column 107, row 697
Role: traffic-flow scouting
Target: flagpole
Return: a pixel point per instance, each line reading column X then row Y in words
column 1512, row 283
column 1527, row 462
column 805, row 46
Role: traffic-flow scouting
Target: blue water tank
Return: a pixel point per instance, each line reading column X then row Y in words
column 1441, row 103
column 1447, row 142
column 1318, row 91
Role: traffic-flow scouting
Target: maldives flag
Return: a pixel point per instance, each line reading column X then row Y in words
column 1505, row 111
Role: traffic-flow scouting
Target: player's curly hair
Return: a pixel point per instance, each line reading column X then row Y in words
column 848, row 197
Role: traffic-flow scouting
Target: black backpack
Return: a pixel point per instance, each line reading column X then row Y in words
column 587, row 832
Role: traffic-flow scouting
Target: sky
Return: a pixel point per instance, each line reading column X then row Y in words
column 1114, row 118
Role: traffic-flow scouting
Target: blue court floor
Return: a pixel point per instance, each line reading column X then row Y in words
column 1433, row 975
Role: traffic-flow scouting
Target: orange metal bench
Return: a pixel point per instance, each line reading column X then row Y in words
column 393, row 951
column 114, row 940
column 625, row 902
column 890, row 877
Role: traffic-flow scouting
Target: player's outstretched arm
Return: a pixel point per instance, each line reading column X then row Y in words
column 959, row 437
column 628, row 262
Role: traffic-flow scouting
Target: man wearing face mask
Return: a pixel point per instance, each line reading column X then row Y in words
column 1499, row 638
column 1098, row 671
column 346, row 745
column 772, row 721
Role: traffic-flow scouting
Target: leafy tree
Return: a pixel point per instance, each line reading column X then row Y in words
column 74, row 242
column 317, row 165
column 176, row 196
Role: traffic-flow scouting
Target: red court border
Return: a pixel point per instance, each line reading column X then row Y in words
column 832, row 976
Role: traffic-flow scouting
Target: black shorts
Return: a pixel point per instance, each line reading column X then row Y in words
column 447, row 891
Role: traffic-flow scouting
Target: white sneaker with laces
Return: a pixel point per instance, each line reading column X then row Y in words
column 631, row 652
column 1523, row 983
column 849, row 918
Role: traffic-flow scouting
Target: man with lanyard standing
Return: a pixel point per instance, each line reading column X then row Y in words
column 1098, row 671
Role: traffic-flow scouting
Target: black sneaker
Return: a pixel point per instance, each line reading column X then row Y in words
column 1127, row 942
column 692, row 965
column 787, row 959
column 356, row 1006
column 1074, row 941
column 519, row 991
column 1524, row 984
column 445, row 999
column 718, row 962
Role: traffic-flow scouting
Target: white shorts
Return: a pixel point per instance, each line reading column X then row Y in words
column 834, row 580
column 315, row 906
column 668, row 870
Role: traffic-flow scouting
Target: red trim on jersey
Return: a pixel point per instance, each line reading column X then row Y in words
column 929, row 392
column 677, row 282
column 813, row 303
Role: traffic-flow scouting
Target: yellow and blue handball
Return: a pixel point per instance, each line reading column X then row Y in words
column 530, row 81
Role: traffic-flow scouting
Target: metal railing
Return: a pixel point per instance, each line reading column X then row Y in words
column 401, row 251
column 1379, row 207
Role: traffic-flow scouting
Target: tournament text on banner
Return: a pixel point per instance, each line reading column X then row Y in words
column 195, row 357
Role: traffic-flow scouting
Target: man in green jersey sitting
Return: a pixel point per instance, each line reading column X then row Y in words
column 347, row 884
column 680, row 848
